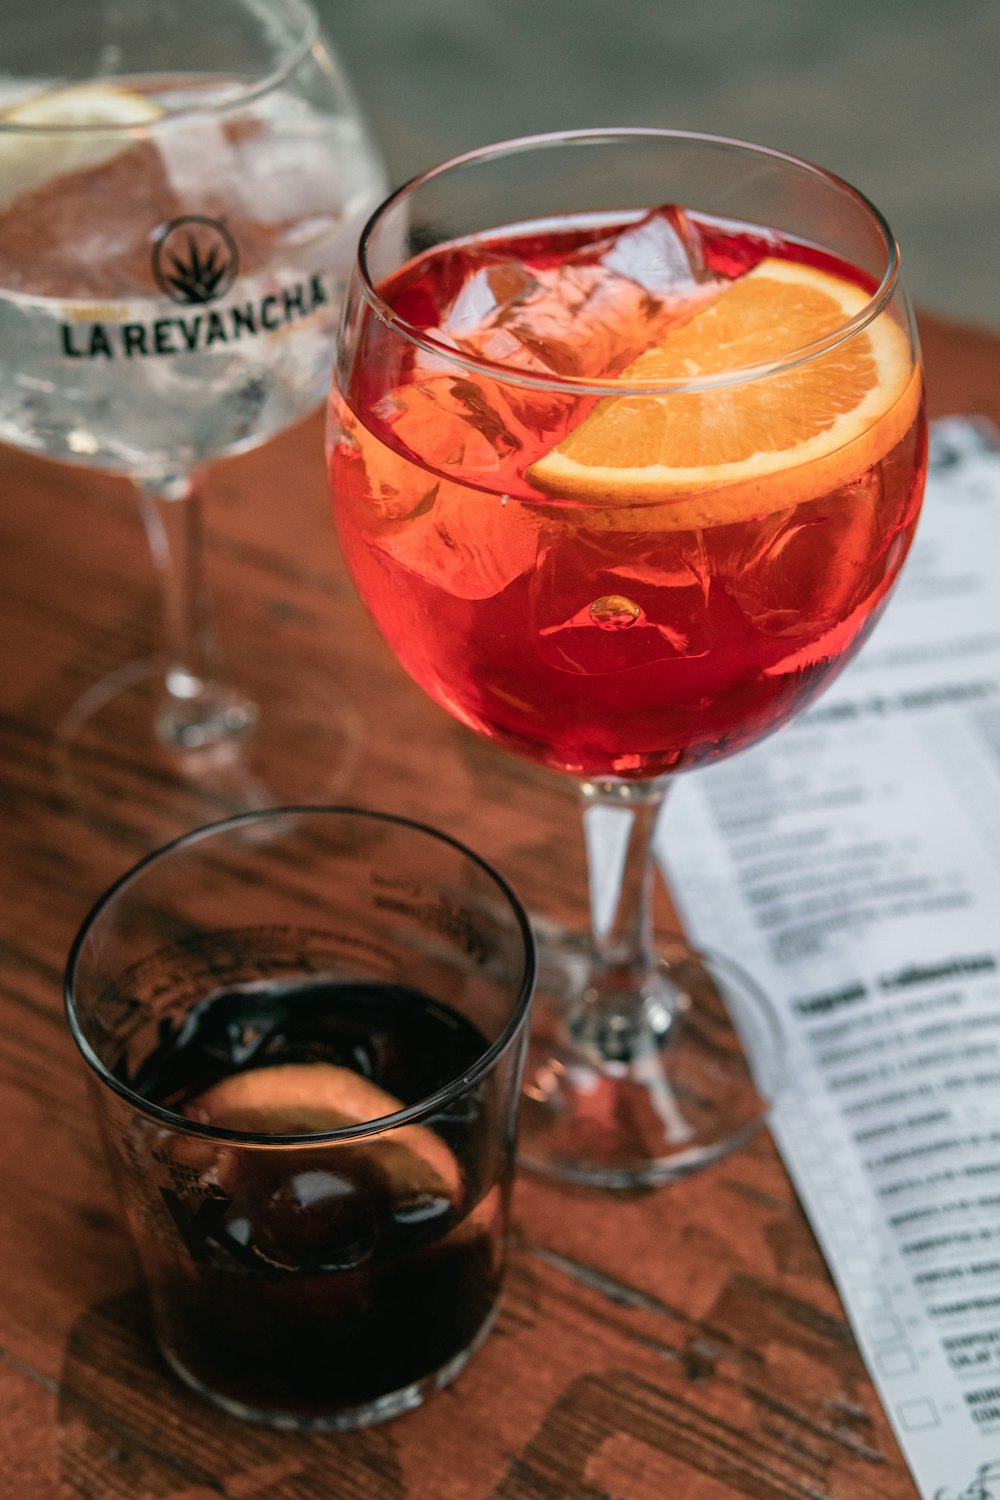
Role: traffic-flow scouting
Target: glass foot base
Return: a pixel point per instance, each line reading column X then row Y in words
column 349, row 1419
column 690, row 1079
column 233, row 717
column 117, row 754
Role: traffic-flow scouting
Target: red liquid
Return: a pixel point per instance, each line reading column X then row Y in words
column 596, row 650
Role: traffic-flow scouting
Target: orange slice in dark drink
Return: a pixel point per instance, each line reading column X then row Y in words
column 310, row 1098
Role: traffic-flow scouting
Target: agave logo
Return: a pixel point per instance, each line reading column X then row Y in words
column 195, row 260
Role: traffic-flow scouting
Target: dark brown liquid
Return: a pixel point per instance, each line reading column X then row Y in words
column 313, row 1279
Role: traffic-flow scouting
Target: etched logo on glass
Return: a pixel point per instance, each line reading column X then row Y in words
column 195, row 260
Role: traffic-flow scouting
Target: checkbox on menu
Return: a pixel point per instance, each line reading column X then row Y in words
column 811, row 1150
column 882, row 1329
column 874, row 1295
column 899, row 1361
column 914, row 1416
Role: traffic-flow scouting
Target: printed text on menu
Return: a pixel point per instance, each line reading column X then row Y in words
column 852, row 864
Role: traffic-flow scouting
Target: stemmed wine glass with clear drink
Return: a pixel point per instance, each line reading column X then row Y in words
column 181, row 188
column 626, row 449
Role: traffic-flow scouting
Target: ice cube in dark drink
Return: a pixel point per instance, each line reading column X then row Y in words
column 318, row 1278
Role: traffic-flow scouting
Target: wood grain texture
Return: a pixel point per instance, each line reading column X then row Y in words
column 684, row 1342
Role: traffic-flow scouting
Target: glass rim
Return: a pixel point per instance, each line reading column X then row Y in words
column 510, row 374
column 308, row 25
column 384, row 1124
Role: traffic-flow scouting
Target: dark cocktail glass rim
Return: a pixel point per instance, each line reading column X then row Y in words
column 413, row 1112
column 307, row 29
column 516, row 375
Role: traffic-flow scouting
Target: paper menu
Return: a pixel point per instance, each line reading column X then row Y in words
column 852, row 865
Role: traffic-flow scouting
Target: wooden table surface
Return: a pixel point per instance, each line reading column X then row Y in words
column 683, row 1343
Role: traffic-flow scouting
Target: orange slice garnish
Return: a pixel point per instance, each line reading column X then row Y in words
column 29, row 158
column 729, row 452
column 309, row 1098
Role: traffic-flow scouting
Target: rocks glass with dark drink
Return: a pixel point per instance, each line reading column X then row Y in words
column 306, row 1031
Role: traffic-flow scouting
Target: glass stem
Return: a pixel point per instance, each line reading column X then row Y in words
column 197, row 709
column 626, row 1002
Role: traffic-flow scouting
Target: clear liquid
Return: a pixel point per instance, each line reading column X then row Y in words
column 104, row 361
